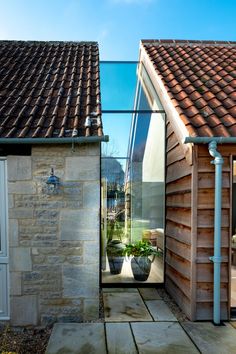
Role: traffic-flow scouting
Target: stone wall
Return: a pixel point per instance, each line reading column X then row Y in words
column 54, row 236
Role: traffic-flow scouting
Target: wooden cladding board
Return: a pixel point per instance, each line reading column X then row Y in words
column 205, row 272
column 205, row 311
column 206, row 198
column 180, row 216
column 181, row 249
column 181, row 299
column 175, row 154
column 207, row 180
column 225, row 149
column 205, row 292
column 179, row 200
column 206, row 218
column 205, row 237
column 205, row 165
column 204, row 254
column 178, row 186
column 180, row 264
column 178, row 223
column 177, row 170
column 178, row 232
column 180, row 281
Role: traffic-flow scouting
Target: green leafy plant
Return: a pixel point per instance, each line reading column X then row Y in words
column 140, row 249
column 140, row 261
column 115, row 248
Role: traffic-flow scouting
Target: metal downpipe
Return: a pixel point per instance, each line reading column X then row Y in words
column 216, row 259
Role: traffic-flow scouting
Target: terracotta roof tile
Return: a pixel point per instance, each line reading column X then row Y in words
column 200, row 77
column 232, row 130
column 47, row 89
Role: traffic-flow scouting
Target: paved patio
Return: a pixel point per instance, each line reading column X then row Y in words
column 139, row 321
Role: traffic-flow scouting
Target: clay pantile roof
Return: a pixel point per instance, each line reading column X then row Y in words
column 200, row 78
column 49, row 89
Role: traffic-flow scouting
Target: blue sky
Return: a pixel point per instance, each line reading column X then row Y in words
column 118, row 25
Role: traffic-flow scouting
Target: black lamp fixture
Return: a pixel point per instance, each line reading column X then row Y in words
column 53, row 181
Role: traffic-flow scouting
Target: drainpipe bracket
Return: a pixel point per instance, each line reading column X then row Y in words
column 215, row 259
column 217, row 161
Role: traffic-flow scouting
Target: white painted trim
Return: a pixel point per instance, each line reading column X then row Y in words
column 4, row 255
column 172, row 114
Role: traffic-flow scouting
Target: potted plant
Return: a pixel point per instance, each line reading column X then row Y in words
column 140, row 261
column 115, row 254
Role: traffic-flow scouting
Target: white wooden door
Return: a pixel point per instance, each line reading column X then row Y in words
column 4, row 293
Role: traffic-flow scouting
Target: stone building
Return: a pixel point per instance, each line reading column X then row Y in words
column 50, row 119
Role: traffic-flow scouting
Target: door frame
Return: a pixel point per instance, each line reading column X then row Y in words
column 4, row 253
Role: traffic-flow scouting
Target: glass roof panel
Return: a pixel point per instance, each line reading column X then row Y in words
column 118, row 85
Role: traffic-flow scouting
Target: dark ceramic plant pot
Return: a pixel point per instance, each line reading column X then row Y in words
column 115, row 264
column 141, row 267
column 115, row 256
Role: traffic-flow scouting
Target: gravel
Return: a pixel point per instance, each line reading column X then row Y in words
column 18, row 340
column 181, row 317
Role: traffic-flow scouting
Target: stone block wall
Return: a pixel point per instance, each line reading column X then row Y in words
column 54, row 236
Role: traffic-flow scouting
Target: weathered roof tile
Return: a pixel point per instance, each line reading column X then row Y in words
column 200, row 78
column 47, row 89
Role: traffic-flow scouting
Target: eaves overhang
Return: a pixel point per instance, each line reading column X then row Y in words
column 69, row 140
column 172, row 115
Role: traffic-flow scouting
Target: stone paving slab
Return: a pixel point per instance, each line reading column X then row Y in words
column 76, row 338
column 162, row 337
column 160, row 311
column 212, row 339
column 120, row 290
column 125, row 307
column 149, row 294
column 120, row 339
column 233, row 323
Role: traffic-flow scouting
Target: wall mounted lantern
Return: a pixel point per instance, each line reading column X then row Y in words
column 52, row 181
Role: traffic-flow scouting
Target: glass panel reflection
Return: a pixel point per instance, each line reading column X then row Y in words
column 133, row 176
column 118, row 85
column 133, row 194
column 117, row 126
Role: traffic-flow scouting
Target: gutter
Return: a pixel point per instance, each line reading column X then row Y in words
column 69, row 140
column 207, row 140
column 216, row 259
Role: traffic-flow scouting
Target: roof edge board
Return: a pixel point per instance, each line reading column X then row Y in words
column 190, row 42
column 69, row 140
column 172, row 114
column 16, row 41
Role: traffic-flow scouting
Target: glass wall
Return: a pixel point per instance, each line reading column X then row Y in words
column 133, row 177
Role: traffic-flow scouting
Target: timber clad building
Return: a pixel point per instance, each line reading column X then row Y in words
column 53, row 240
column 196, row 83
